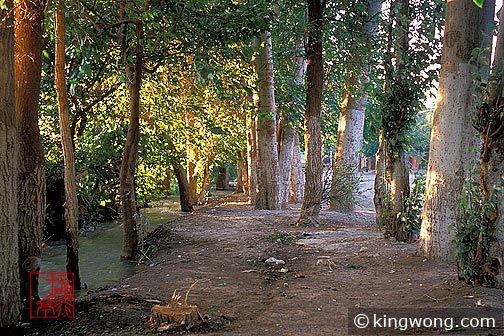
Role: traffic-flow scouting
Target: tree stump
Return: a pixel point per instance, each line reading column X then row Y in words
column 175, row 315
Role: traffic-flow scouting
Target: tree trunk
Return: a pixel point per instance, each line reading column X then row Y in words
column 180, row 173
column 297, row 174
column 452, row 136
column 286, row 149
column 380, row 184
column 268, row 171
column 245, row 178
column 489, row 259
column 31, row 177
column 313, row 140
column 222, row 182
column 204, row 184
column 192, row 159
column 71, row 204
column 10, row 307
column 398, row 173
column 351, row 122
column 252, row 158
column 240, row 168
column 130, row 153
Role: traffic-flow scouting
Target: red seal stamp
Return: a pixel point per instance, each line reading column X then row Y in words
column 61, row 299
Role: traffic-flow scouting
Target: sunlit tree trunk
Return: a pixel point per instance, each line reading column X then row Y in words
column 31, row 177
column 245, row 178
column 268, row 171
column 204, row 184
column 380, row 184
column 130, row 153
column 240, row 171
column 252, row 158
column 297, row 175
column 351, row 119
column 175, row 160
column 10, row 307
column 489, row 260
column 192, row 159
column 452, row 137
column 71, row 204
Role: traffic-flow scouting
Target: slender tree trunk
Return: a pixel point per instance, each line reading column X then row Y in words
column 245, row 178
column 297, row 174
column 351, row 120
column 398, row 173
column 380, row 184
column 313, row 139
column 222, row 182
column 286, row 149
column 130, row 153
column 180, row 173
column 71, row 204
column 240, row 169
column 31, row 177
column 489, row 259
column 192, row 158
column 252, row 158
column 204, row 184
column 10, row 307
column 452, row 136
column 268, row 171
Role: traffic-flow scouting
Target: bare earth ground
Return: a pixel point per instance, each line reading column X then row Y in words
column 224, row 245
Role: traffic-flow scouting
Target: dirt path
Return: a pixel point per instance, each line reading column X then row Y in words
column 343, row 264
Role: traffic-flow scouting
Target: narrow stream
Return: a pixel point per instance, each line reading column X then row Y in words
column 100, row 247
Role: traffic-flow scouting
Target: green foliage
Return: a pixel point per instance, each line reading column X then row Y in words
column 470, row 228
column 283, row 237
column 341, row 184
column 411, row 216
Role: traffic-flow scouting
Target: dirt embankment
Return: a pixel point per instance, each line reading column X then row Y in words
column 345, row 263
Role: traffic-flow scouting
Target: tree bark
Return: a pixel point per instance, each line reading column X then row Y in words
column 130, row 153
column 297, row 174
column 71, row 203
column 351, row 120
column 489, row 260
column 31, row 178
column 452, row 136
column 192, row 159
column 245, row 178
column 286, row 149
column 380, row 184
column 398, row 173
column 313, row 140
column 240, row 171
column 268, row 171
column 204, row 184
column 10, row 307
column 180, row 173
column 252, row 158
column 222, row 182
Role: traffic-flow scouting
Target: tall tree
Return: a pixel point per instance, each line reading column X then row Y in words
column 488, row 261
column 71, row 203
column 10, row 307
column 297, row 175
column 130, row 153
column 286, row 136
column 313, row 139
column 252, row 155
column 31, row 178
column 268, row 171
column 452, row 135
column 352, row 112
